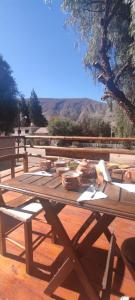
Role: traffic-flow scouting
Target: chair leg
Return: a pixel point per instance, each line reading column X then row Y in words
column 28, row 246
column 2, row 236
column 107, row 279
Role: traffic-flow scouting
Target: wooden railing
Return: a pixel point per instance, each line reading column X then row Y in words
column 89, row 150
column 80, row 138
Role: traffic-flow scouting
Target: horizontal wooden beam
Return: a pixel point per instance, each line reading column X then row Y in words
column 77, row 152
column 67, row 151
column 12, row 137
column 7, row 148
column 81, row 138
column 12, row 156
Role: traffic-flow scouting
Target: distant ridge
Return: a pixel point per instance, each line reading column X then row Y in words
column 73, row 108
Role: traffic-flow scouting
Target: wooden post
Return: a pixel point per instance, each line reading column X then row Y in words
column 2, row 203
column 107, row 279
column 28, row 246
column 2, row 235
column 12, row 168
column 25, row 162
column 24, row 140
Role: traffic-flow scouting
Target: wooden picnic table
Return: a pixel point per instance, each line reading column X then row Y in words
column 49, row 190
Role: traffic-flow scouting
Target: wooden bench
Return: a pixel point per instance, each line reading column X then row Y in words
column 88, row 153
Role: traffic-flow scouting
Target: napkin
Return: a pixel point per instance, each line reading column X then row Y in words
column 40, row 173
column 130, row 187
column 101, row 167
column 91, row 194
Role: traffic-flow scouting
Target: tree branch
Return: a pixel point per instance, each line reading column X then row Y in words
column 114, row 10
column 120, row 72
column 107, row 76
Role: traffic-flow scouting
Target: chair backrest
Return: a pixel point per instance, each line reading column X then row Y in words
column 12, row 158
column 128, row 254
column 2, row 203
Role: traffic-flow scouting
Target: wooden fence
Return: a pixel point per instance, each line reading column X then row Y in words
column 90, row 152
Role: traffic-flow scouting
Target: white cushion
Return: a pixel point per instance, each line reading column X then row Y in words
column 24, row 212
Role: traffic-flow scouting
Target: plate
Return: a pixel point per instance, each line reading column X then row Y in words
column 123, row 166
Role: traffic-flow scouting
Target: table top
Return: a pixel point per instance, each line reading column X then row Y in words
column 118, row 203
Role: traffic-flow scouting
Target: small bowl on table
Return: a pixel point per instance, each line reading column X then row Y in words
column 129, row 175
column 71, row 180
column 88, row 170
column 60, row 163
column 45, row 165
column 62, row 170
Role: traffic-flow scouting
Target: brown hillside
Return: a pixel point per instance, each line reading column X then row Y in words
column 76, row 109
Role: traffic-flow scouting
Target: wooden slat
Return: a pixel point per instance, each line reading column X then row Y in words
column 61, row 195
column 81, row 138
column 12, row 156
column 32, row 179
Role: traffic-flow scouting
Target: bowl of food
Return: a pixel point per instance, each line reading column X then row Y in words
column 60, row 163
column 73, row 164
column 45, row 165
column 71, row 180
column 62, row 170
column 129, row 175
column 87, row 169
column 83, row 167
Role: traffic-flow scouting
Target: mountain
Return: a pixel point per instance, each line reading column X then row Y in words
column 75, row 109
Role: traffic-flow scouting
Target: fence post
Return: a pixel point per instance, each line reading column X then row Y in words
column 24, row 141
column 25, row 162
column 12, row 168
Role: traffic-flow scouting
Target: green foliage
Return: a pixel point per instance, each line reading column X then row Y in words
column 67, row 127
column 132, row 32
column 35, row 111
column 95, row 127
column 8, row 94
column 89, row 127
column 87, row 16
column 124, row 128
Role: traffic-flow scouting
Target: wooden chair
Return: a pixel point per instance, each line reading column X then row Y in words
column 128, row 254
column 23, row 213
column 107, row 278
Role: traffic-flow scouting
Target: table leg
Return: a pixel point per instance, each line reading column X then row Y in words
column 72, row 261
column 95, row 233
column 83, row 228
column 108, row 234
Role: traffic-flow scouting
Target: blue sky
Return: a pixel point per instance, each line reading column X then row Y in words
column 41, row 52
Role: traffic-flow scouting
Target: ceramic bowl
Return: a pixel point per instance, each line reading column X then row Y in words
column 71, row 180
column 129, row 175
column 45, row 165
column 62, row 170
